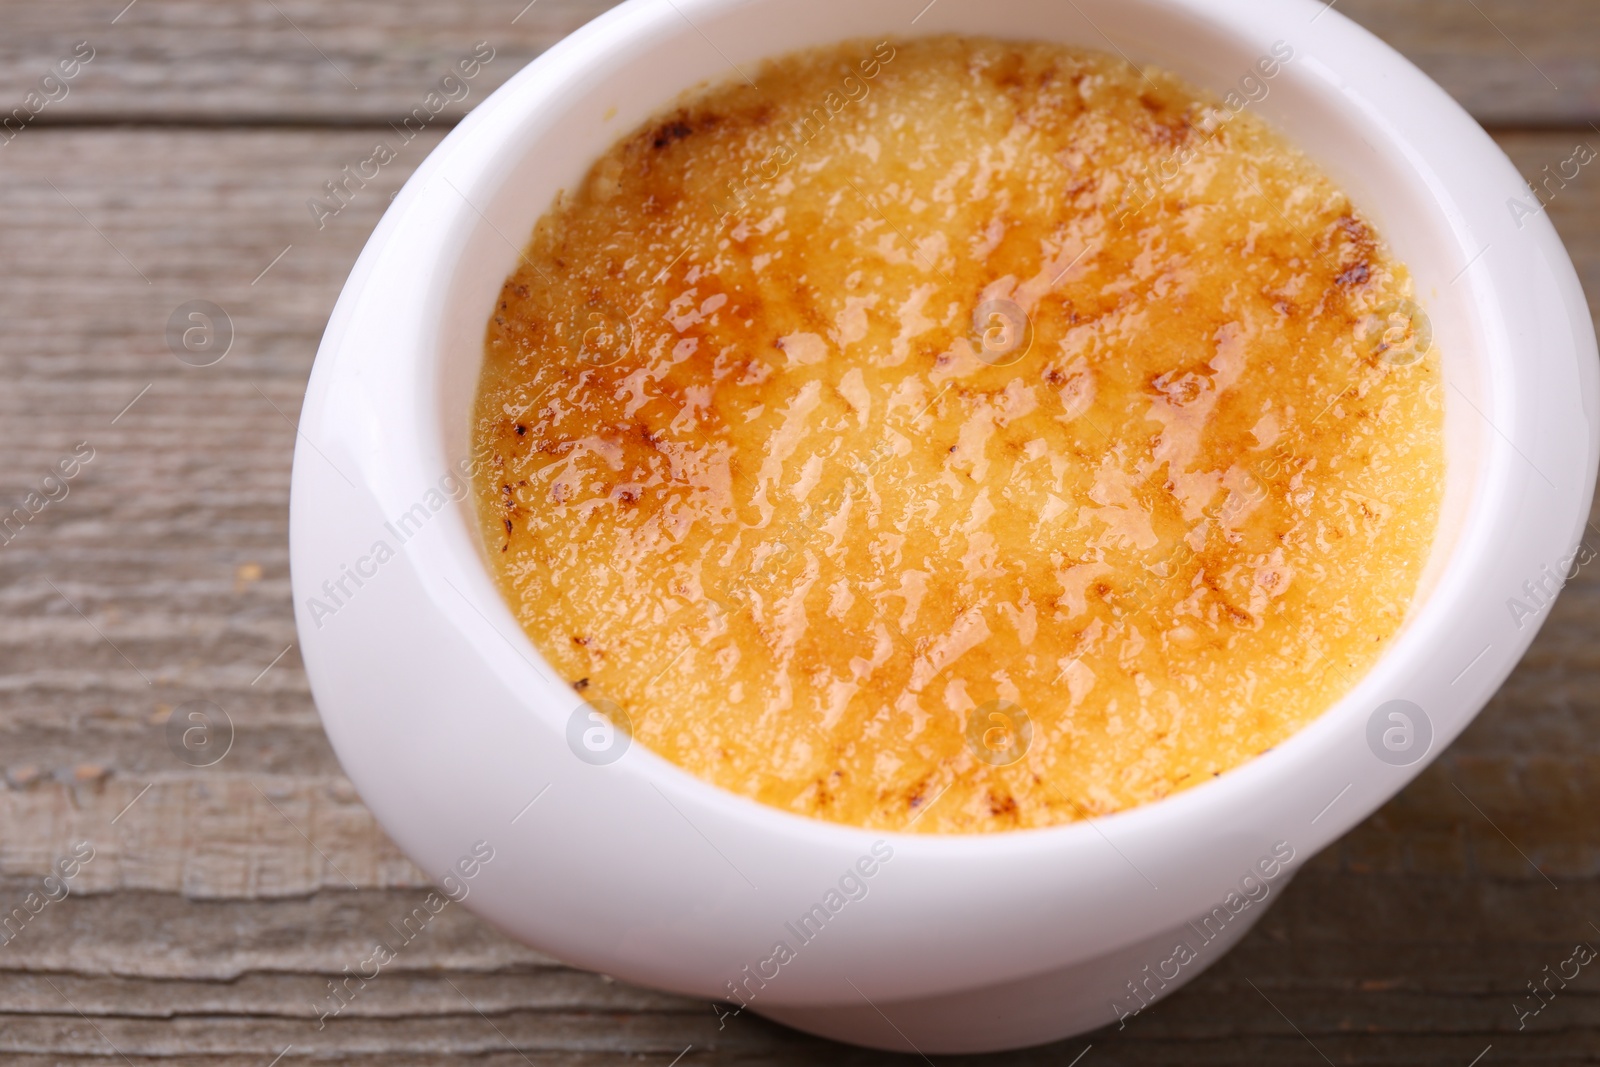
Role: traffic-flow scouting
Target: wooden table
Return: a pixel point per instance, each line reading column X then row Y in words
column 221, row 900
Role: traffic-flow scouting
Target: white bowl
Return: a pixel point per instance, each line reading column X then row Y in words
column 449, row 722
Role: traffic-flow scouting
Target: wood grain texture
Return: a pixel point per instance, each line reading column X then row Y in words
column 222, row 902
column 1508, row 61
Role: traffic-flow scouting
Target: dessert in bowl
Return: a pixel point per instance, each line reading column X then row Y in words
column 456, row 729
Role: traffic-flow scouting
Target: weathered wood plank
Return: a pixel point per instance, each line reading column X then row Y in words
column 216, row 836
column 1508, row 61
column 231, row 835
column 1515, row 924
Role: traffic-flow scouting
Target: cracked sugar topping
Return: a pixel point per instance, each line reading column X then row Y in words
column 958, row 436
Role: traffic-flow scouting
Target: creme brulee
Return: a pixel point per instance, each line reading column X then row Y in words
column 953, row 435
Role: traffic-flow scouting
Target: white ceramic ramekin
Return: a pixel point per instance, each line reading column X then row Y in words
column 450, row 724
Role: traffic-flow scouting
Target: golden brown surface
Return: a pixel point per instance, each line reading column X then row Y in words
column 788, row 520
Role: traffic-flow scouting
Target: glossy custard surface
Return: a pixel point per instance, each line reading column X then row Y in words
column 958, row 436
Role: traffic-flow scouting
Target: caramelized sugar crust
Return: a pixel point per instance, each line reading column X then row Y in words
column 743, row 472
